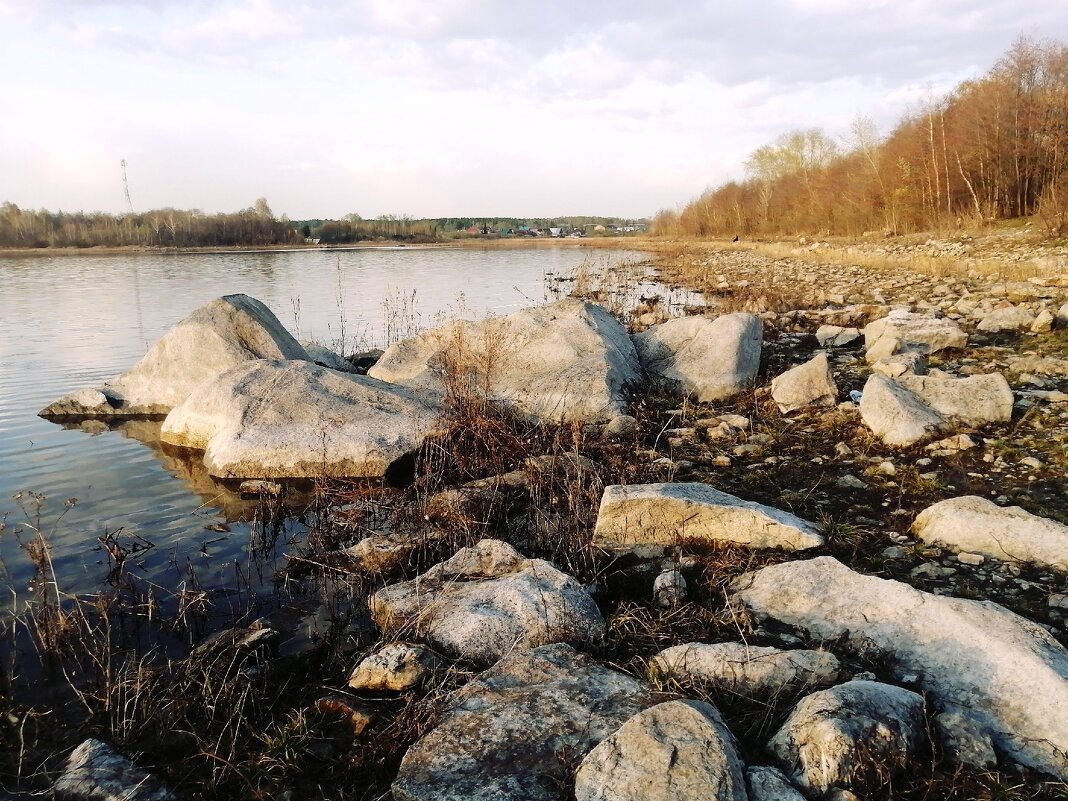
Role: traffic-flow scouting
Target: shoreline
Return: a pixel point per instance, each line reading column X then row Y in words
column 464, row 244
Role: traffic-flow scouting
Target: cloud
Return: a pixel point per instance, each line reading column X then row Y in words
column 433, row 107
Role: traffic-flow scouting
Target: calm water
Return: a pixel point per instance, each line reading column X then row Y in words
column 71, row 322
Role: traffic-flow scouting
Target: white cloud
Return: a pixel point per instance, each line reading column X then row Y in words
column 455, row 106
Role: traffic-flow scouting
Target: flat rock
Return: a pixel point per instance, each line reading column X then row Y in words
column 488, row 600
column 749, row 670
column 858, row 735
column 911, row 408
column 222, row 334
column 503, row 734
column 835, row 336
column 293, row 419
column 648, row 519
column 1011, row 673
column 770, row 784
column 397, row 666
column 906, row 331
column 1009, row 318
column 325, row 357
column 808, row 384
column 569, row 361
column 671, row 751
column 708, row 359
column 96, row 772
column 1009, row 534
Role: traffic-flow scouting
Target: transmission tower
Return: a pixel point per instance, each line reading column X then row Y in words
column 126, row 186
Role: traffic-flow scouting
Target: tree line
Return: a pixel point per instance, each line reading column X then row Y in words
column 254, row 226
column 996, row 147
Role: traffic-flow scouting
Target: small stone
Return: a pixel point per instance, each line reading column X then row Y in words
column 669, row 589
column 1031, row 461
column 269, row 489
column 842, row 451
column 95, row 771
column 973, row 559
column 397, row 667
column 849, row 481
column 1043, row 323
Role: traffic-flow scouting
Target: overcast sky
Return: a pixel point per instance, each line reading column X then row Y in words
column 455, row 107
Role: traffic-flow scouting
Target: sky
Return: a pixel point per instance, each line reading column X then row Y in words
column 456, row 107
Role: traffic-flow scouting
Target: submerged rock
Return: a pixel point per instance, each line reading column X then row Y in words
column 858, row 735
column 674, row 750
column 976, row 525
column 504, row 735
column 647, row 519
column 808, row 384
column 905, row 331
column 218, row 336
column 95, row 772
column 268, row 419
column 565, row 362
column 1011, row 673
column 488, row 600
column 704, row 358
column 748, row 670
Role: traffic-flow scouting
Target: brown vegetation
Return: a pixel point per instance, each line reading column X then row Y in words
column 996, row 147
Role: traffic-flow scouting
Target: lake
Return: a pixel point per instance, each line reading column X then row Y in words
column 72, row 321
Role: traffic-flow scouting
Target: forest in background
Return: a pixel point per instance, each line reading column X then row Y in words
column 256, row 226
column 994, row 148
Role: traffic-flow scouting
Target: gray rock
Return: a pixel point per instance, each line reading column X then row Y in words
column 808, row 384
column 834, row 336
column 669, row 589
column 707, row 359
column 1043, row 323
column 218, row 336
column 748, row 670
column 674, row 750
column 965, row 740
column 325, row 357
column 268, row 419
column 904, row 331
column 912, row 408
column 569, row 361
column 857, row 735
column 975, row 655
column 509, row 733
column 978, row 526
column 896, row 415
column 488, row 600
column 397, row 666
column 769, row 784
column 647, row 519
column 95, row 772
column 1010, row 318
column 908, row 363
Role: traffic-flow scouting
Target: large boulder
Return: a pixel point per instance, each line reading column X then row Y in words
column 808, row 384
column 912, row 408
column 976, row 525
column 1008, row 318
column 293, row 419
column 509, row 733
column 218, row 336
column 674, row 750
column 648, row 519
column 858, row 735
column 565, row 362
column 96, row 772
column 966, row 654
column 704, row 358
column 487, row 601
column 906, row 331
column 749, row 670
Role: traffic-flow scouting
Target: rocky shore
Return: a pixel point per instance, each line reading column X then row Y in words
column 808, row 541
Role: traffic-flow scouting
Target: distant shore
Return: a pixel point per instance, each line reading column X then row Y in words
column 615, row 242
